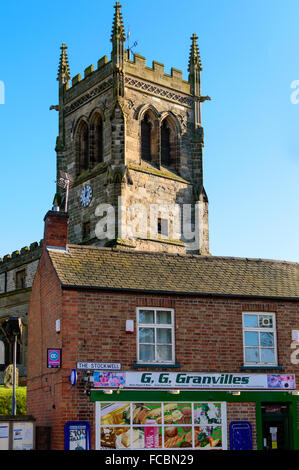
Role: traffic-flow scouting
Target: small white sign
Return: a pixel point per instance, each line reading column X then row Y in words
column 130, row 326
column 98, row 366
column 295, row 335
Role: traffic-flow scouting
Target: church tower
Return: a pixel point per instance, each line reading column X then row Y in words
column 131, row 143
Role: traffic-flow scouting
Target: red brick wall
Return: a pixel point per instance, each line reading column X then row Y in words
column 44, row 385
column 208, row 339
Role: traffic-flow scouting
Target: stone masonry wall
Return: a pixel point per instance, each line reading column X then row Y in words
column 14, row 302
column 166, row 95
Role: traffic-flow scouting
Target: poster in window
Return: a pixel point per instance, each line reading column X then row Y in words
column 77, row 435
column 161, row 425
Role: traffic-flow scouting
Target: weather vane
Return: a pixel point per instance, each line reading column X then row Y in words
column 65, row 182
column 129, row 49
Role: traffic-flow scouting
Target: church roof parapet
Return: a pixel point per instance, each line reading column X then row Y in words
column 22, row 256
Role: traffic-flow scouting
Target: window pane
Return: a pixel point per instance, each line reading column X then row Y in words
column 251, row 355
column 146, row 316
column 267, row 339
column 267, row 355
column 266, row 321
column 146, row 352
column 146, row 335
column 251, row 321
column 164, row 353
column 251, row 338
column 163, row 317
column 163, row 335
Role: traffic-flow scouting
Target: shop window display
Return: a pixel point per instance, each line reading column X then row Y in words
column 157, row 425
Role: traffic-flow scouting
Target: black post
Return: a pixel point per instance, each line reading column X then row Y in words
column 13, row 401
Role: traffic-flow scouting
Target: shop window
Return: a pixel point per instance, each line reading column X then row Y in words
column 259, row 339
column 21, row 279
column 155, row 336
column 161, row 425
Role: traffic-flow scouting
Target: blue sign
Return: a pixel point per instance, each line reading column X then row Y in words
column 77, row 435
column 73, row 377
column 240, row 435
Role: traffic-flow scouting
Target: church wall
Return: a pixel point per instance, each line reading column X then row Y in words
column 14, row 300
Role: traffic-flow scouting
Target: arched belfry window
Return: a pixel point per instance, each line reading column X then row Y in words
column 96, row 140
column 149, row 134
column 146, row 131
column 169, row 142
column 165, row 144
column 82, row 145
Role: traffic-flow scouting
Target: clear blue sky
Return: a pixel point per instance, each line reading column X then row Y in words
column 250, row 57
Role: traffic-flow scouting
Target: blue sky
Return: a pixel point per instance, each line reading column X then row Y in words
column 249, row 52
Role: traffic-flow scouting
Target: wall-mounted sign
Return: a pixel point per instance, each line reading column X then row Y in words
column 73, row 377
column 98, row 366
column 23, row 436
column 53, row 358
column 273, row 409
column 77, row 435
column 193, row 380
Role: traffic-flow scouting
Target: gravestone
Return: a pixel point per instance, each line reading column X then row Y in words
column 8, row 377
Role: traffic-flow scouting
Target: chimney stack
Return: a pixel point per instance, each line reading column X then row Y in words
column 56, row 229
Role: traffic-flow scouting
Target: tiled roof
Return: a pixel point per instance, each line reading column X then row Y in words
column 106, row 268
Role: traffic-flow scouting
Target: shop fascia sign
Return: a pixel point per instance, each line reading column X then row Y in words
column 192, row 380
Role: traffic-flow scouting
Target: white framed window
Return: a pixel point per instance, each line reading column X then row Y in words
column 155, row 335
column 259, row 338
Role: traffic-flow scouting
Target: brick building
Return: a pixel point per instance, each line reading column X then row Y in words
column 207, row 334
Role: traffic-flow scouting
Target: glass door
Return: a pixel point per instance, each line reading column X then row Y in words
column 275, row 422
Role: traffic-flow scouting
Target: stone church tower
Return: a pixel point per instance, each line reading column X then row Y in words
column 131, row 140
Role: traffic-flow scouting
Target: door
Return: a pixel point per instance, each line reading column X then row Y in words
column 275, row 421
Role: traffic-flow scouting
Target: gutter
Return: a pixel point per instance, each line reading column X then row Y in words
column 180, row 293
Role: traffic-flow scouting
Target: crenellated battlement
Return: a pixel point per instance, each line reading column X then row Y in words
column 22, row 256
column 91, row 77
column 136, row 67
column 156, row 74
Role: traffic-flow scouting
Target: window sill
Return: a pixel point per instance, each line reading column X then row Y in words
column 173, row 366
column 261, row 367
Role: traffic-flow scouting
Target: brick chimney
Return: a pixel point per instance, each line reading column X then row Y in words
column 56, row 229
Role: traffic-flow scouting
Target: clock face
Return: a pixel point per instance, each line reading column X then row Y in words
column 86, row 196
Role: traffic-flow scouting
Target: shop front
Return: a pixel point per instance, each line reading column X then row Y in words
column 172, row 411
